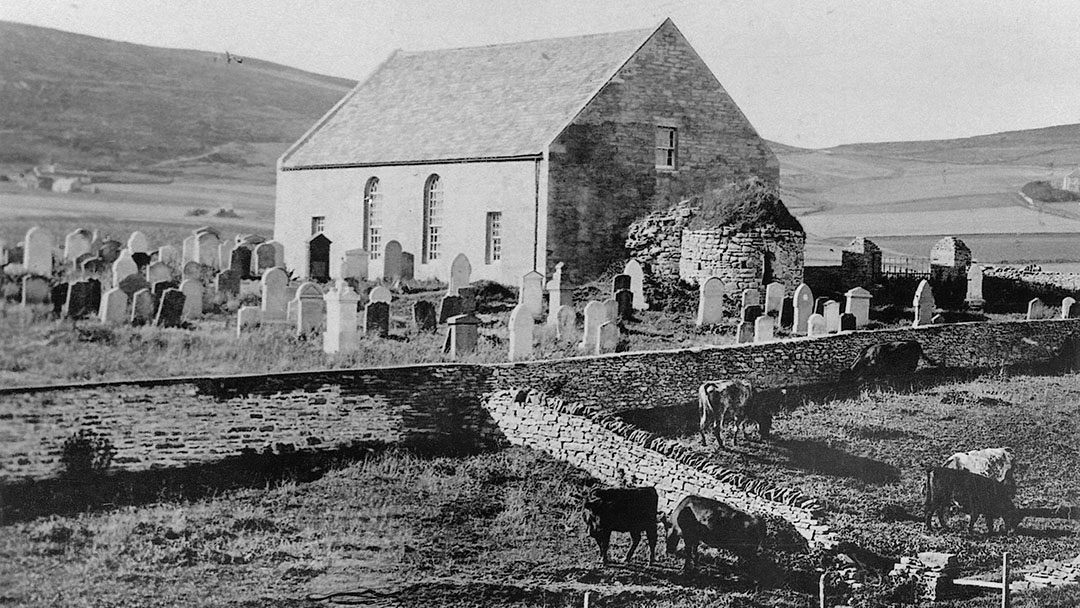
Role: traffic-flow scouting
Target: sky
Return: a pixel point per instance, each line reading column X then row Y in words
column 810, row 73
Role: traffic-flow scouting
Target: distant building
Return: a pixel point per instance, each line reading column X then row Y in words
column 1071, row 181
column 518, row 155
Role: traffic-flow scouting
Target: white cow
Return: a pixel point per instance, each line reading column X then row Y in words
column 995, row 463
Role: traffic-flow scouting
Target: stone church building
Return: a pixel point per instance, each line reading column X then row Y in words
column 518, row 155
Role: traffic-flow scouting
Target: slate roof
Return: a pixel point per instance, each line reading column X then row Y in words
column 495, row 101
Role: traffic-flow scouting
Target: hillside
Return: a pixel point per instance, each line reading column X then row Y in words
column 96, row 102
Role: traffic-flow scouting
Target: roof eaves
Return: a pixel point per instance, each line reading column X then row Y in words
column 436, row 161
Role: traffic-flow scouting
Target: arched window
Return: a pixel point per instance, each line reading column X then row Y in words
column 372, row 219
column 433, row 204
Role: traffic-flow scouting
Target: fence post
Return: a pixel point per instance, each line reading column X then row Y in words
column 821, row 590
column 587, row 599
column 1005, row 580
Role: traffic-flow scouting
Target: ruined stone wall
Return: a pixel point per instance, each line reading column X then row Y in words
column 738, row 257
column 619, row 454
column 656, row 239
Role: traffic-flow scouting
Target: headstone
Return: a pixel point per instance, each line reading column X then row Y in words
column 240, row 261
column 340, row 334
column 190, row 252
column 848, row 322
column 624, row 301
column 1036, row 310
column 138, row 243
column 858, row 304
column 764, row 328
column 392, row 261
column 595, row 315
column 78, row 303
column 77, row 243
column 815, row 325
column 160, row 287
column 937, row 319
column 460, row 273
column 38, row 252
column 607, row 338
column 95, row 295
column 462, row 335
column 274, row 298
column 380, row 293
column 248, row 317
column 227, row 283
column 424, row 316
column 611, row 310
column 745, row 333
column 168, row 255
column 468, row 299
column 291, row 311
column 710, row 302
column 819, row 305
column 35, row 290
column 751, row 312
column 170, row 311
column 637, row 283
column 264, row 259
column 141, row 259
column 559, row 295
column 206, row 229
column 193, row 298
column 620, row 281
column 206, row 249
column 132, row 283
column 774, row 299
column 923, row 304
column 521, row 333
column 750, row 297
column 224, row 254
column 110, row 250
column 974, row 297
column 309, row 309
column 142, row 307
column 449, row 306
column 57, row 295
column 158, row 271
column 93, row 265
column 354, row 264
column 408, row 266
column 832, row 316
column 565, row 323
column 192, row 270
column 78, row 261
column 113, row 306
column 787, row 312
column 123, row 267
column 531, row 292
column 377, row 318
column 1069, row 309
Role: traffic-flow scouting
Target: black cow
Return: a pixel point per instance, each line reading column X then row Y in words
column 719, row 399
column 977, row 494
column 630, row 510
column 888, row 359
column 702, row 520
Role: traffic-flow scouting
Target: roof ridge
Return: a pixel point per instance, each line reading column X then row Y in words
column 636, row 31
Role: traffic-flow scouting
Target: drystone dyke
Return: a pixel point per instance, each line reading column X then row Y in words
column 1051, row 281
column 620, row 454
column 738, row 257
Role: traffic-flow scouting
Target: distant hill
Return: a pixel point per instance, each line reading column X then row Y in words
column 100, row 103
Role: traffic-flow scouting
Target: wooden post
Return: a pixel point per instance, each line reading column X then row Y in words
column 821, row 590
column 1005, row 580
column 587, row 599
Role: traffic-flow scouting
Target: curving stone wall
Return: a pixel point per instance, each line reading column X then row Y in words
column 738, row 258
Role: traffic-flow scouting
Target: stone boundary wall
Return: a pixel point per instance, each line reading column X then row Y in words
column 1050, row 281
column 181, row 421
column 619, row 454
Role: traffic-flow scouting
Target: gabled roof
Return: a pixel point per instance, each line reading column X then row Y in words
column 499, row 101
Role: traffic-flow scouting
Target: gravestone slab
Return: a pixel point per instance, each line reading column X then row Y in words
column 377, row 319
column 566, row 323
column 923, row 304
column 247, row 318
column 611, row 310
column 848, row 322
column 264, row 258
column 531, row 292
column 774, row 299
column 468, row 299
column 160, row 287
column 380, row 293
column 607, row 338
column 57, row 295
column 462, row 335
column 123, row 267
column 224, row 254
column 460, row 273
column 142, row 307
column 595, row 315
column 424, row 317
column 1036, row 310
column 559, row 294
column 354, row 264
column 193, row 298
column 340, row 334
column 240, row 261
column 819, row 305
column 38, row 252
column 636, row 273
column 275, row 300
column 77, row 243
column 832, row 316
column 449, row 306
column 189, row 250
column 192, row 270
column 35, row 290
column 858, row 304
column 521, row 333
column 764, row 328
column 79, row 303
column 168, row 255
column 1068, row 308
column 170, row 311
column 751, row 313
column 408, row 266
column 624, row 302
column 974, row 297
column 745, row 333
column 309, row 309
column 619, row 282
column 95, row 295
column 227, row 283
column 392, row 261
column 132, row 283
column 206, row 249
column 710, row 302
column 750, row 297
column 113, row 309
column 138, row 243
column 816, row 325
column 787, row 312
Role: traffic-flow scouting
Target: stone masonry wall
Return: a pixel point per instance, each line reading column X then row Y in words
column 619, row 454
column 737, row 257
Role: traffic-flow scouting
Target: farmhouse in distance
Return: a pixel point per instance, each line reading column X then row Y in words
column 519, row 155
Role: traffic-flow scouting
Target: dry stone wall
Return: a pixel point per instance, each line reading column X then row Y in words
column 738, row 257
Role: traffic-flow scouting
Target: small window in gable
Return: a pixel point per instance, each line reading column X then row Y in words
column 494, row 237
column 318, row 224
column 667, row 148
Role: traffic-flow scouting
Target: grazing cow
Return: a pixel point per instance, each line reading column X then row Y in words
column 717, row 398
column 702, row 520
column 630, row 510
column 978, row 494
column 994, row 463
column 888, row 359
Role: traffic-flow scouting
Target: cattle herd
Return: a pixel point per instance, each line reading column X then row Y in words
column 980, row 481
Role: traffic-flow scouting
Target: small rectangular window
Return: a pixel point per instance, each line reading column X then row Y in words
column 667, row 141
column 494, row 237
column 318, row 224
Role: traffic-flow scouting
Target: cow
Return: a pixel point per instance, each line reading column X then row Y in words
column 630, row 510
column 994, row 463
column 702, row 520
column 977, row 494
column 717, row 398
column 888, row 359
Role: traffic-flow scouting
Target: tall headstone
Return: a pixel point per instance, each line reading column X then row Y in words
column 804, row 307
column 974, row 298
column 619, row 282
column 531, row 293
column 1069, row 309
column 607, row 338
column 113, row 309
column 637, row 283
column 240, row 261
column 193, row 298
column 57, row 295
column 227, row 283
column 462, row 335
column 774, row 299
column 354, row 264
column 449, row 306
column 750, row 297
column 460, row 273
column 559, row 295
column 764, row 328
column 832, row 316
column 123, row 267
column 142, row 307
column 264, row 258
column 206, row 249
column 309, row 309
column 424, row 316
column 595, row 315
column 79, row 303
column 77, row 243
column 408, row 266
column 95, row 295
column 38, row 252
column 565, row 323
column 624, row 300
column 923, row 304
column 189, row 250
column 168, row 255
column 815, row 325
column 392, row 261
column 138, row 243
column 35, row 290
column 787, row 312
column 340, row 334
column 274, row 299
column 1036, row 310
column 224, row 254
column 170, row 311
column 710, row 301
column 858, row 304
column 377, row 319
column 521, row 333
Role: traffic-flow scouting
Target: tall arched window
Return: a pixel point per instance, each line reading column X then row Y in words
column 372, row 219
column 433, row 204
